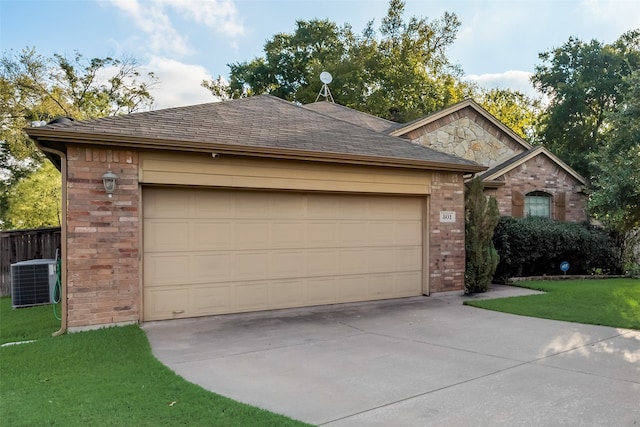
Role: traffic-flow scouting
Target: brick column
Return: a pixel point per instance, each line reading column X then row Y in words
column 446, row 239
column 103, row 279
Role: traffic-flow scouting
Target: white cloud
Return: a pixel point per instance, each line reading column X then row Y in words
column 512, row 79
column 219, row 15
column 153, row 17
column 617, row 16
column 179, row 83
column 154, row 21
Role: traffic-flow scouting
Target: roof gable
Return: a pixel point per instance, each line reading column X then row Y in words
column 258, row 126
column 498, row 171
column 404, row 129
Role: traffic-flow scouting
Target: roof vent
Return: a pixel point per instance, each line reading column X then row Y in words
column 60, row 120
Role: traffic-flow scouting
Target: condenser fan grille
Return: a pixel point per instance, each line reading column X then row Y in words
column 32, row 282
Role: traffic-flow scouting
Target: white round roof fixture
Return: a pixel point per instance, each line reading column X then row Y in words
column 325, row 77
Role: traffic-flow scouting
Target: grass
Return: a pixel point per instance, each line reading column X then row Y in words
column 28, row 323
column 106, row 377
column 608, row 302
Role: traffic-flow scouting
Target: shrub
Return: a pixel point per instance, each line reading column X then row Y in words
column 481, row 217
column 535, row 246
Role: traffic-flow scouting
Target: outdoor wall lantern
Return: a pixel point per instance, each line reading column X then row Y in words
column 109, row 181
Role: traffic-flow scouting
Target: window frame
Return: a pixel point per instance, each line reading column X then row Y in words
column 542, row 202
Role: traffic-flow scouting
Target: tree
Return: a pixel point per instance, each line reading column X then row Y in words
column 585, row 82
column 481, row 218
column 514, row 109
column 34, row 88
column 400, row 72
column 35, row 200
column 616, row 196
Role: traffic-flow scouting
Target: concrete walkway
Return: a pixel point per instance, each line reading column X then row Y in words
column 424, row 361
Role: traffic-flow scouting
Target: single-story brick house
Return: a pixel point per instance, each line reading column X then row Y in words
column 525, row 180
column 247, row 205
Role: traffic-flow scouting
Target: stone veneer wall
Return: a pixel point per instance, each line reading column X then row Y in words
column 103, row 237
column 468, row 135
column 446, row 240
column 540, row 174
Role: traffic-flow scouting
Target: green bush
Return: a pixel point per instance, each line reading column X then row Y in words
column 535, row 246
column 481, row 258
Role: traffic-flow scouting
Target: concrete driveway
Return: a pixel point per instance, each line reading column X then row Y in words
column 424, row 361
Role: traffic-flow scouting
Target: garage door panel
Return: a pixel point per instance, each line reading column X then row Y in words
column 174, row 205
column 354, row 288
column 252, row 205
column 251, row 296
column 352, row 208
column 322, row 234
column 406, row 283
column 211, row 299
column 285, row 264
column 250, row 265
column 251, row 235
column 286, row 293
column 208, row 267
column 245, row 251
column 323, row 207
column 222, row 206
column 321, row 262
column 406, row 258
column 288, row 234
column 166, row 303
column 164, row 269
column 322, row 290
column 205, row 232
column 353, row 233
column 408, row 233
column 353, row 261
column 381, row 260
column 167, row 235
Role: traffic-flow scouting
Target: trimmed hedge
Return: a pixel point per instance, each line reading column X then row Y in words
column 535, row 246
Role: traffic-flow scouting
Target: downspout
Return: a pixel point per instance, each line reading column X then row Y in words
column 63, row 239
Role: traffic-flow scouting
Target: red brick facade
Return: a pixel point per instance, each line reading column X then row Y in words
column 568, row 202
column 103, row 235
column 446, row 239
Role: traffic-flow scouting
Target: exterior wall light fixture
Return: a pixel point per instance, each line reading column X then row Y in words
column 109, row 181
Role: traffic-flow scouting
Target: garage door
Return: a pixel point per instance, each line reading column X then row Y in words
column 212, row 252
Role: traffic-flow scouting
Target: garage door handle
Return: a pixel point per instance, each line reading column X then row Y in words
column 178, row 311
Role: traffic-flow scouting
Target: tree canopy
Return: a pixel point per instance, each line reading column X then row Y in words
column 514, row 109
column 616, row 195
column 34, row 88
column 399, row 71
column 585, row 83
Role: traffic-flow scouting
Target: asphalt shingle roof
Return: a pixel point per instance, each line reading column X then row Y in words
column 352, row 116
column 259, row 122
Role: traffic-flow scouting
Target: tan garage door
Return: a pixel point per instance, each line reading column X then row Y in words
column 212, row 252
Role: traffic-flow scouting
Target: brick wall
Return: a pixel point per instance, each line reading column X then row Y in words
column 540, row 174
column 103, row 284
column 446, row 240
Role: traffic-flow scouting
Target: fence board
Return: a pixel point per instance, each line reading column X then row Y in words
column 23, row 245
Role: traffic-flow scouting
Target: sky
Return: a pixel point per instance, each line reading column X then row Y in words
column 186, row 41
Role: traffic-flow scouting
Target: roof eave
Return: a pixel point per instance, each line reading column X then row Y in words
column 41, row 136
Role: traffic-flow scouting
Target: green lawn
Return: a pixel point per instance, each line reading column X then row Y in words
column 609, row 302
column 102, row 378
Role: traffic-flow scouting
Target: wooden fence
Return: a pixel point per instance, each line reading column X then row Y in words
column 23, row 245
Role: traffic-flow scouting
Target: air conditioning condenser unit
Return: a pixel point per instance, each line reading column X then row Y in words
column 33, row 282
